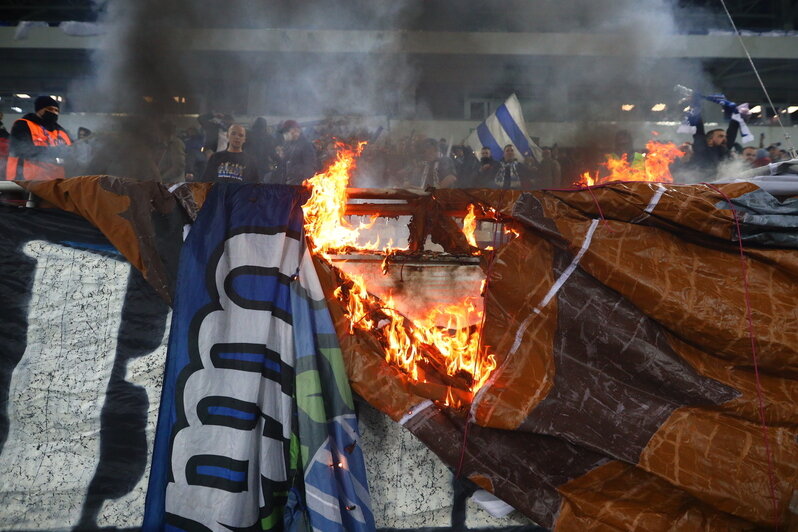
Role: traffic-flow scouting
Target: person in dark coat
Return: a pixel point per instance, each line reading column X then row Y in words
column 713, row 147
column 300, row 156
column 260, row 144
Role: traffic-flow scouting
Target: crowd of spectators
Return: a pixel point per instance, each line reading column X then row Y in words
column 218, row 148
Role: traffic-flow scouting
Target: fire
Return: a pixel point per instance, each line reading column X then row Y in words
column 453, row 351
column 470, row 226
column 655, row 166
column 325, row 211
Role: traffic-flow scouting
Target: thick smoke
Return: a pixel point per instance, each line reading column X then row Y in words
column 155, row 51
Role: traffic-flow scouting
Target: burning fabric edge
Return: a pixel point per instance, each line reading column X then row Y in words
column 454, row 354
column 622, row 403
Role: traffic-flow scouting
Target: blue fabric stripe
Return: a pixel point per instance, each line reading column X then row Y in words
column 252, row 357
column 324, row 324
column 264, row 289
column 489, row 141
column 87, row 245
column 513, row 131
column 222, row 472
column 230, row 412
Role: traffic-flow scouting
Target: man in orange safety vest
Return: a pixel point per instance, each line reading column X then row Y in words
column 38, row 144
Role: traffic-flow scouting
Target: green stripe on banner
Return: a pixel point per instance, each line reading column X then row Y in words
column 336, row 360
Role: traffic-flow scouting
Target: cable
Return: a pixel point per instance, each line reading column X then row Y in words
column 787, row 137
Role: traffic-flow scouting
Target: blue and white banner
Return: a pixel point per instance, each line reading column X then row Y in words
column 503, row 127
column 256, row 429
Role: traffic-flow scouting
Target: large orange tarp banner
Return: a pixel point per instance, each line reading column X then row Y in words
column 626, row 395
column 622, row 317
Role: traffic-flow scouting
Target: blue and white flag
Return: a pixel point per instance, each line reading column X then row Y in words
column 257, row 429
column 503, row 127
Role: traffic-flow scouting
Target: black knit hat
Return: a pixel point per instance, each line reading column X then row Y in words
column 45, row 101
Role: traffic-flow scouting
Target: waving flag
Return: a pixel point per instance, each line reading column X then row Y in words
column 503, row 127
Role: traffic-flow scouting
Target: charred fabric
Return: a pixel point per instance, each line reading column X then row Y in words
column 635, row 363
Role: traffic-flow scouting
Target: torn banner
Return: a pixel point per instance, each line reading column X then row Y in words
column 256, row 427
column 626, row 395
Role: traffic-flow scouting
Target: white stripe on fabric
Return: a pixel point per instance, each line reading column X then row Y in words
column 566, row 274
column 519, row 335
column 415, row 411
column 327, row 505
column 655, row 198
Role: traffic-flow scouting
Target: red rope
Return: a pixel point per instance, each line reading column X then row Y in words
column 755, row 356
column 601, row 212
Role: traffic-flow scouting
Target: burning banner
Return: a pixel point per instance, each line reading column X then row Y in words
column 620, row 375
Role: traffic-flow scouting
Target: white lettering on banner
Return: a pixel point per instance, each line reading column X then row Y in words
column 58, row 388
column 233, row 400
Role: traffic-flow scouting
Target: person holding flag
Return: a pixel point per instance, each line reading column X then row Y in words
column 712, row 148
column 505, row 126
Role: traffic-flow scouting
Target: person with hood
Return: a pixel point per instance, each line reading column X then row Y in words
column 38, row 144
column 260, row 144
column 300, row 156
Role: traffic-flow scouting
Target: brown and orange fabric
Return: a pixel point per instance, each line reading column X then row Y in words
column 142, row 219
column 626, row 395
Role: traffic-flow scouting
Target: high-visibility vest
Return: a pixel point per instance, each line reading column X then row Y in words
column 19, row 168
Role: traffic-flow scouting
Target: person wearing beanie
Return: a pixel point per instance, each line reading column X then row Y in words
column 299, row 154
column 38, row 144
column 761, row 158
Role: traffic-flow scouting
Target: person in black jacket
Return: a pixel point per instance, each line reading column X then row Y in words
column 713, row 147
column 260, row 144
column 299, row 154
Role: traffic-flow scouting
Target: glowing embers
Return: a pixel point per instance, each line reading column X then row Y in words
column 653, row 166
column 442, row 343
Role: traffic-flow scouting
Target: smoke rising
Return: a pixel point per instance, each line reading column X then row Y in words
column 155, row 51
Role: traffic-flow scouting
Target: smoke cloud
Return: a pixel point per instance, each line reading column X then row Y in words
column 149, row 58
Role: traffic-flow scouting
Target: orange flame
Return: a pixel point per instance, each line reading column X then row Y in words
column 325, row 220
column 470, row 226
column 454, row 350
column 655, row 166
